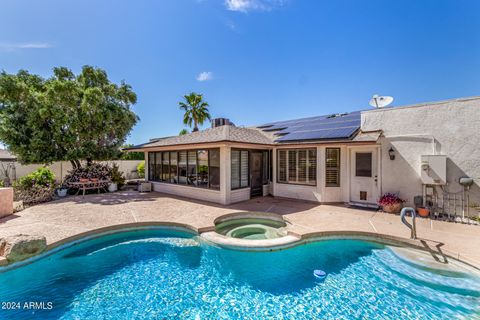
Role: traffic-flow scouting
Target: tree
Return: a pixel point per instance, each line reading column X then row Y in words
column 66, row 117
column 196, row 110
column 131, row 155
column 183, row 132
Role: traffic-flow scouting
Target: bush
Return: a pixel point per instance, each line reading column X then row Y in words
column 141, row 169
column 98, row 171
column 42, row 177
column 95, row 170
column 36, row 187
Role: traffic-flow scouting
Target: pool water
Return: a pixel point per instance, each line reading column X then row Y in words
column 157, row 274
column 252, row 228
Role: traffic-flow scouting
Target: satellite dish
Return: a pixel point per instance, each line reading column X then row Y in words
column 380, row 101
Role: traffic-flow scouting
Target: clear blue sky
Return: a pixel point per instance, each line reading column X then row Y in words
column 262, row 60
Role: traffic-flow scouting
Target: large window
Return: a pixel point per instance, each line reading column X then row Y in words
column 198, row 168
column 332, row 167
column 363, row 164
column 239, row 169
column 298, row 166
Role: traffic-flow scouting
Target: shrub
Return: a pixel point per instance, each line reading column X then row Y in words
column 389, row 199
column 36, row 187
column 141, row 169
column 1, row 184
column 95, row 170
column 42, row 177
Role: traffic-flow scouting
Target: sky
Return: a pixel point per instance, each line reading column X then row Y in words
column 255, row 61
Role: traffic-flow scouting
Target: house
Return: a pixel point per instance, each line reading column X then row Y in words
column 416, row 150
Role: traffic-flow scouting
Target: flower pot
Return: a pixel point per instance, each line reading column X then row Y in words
column 62, row 192
column 112, row 187
column 393, row 208
column 423, row 212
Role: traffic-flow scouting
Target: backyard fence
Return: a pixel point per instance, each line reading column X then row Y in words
column 15, row 170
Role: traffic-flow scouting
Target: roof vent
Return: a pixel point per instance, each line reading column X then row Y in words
column 218, row 122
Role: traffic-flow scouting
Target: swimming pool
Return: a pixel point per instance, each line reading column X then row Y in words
column 162, row 273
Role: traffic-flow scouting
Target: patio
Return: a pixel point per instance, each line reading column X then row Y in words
column 67, row 219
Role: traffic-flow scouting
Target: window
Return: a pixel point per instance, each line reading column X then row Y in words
column 198, row 168
column 214, row 169
column 173, row 167
column 239, row 169
column 182, row 167
column 165, row 166
column 157, row 176
column 332, row 167
column 298, row 166
column 151, row 166
column 202, row 177
column 363, row 164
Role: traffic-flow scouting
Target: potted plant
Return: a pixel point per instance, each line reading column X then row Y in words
column 117, row 179
column 391, row 203
column 62, row 191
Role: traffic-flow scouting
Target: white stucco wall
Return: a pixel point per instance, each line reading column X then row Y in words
column 189, row 192
column 450, row 128
column 61, row 168
column 318, row 193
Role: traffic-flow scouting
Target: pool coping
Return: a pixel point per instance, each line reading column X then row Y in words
column 291, row 240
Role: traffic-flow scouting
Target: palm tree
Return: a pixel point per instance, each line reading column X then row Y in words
column 182, row 132
column 196, row 110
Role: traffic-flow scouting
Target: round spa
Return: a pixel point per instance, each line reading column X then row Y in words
column 251, row 227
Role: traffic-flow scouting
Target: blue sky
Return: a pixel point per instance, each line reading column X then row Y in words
column 260, row 60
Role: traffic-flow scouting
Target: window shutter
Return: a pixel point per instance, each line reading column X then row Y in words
column 282, row 166
column 244, row 169
column 235, row 175
column 312, row 166
column 302, row 166
column 332, row 167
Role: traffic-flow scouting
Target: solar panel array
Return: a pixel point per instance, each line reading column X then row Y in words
column 328, row 127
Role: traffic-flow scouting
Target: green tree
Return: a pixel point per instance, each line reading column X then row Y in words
column 183, row 132
column 65, row 117
column 196, row 110
column 131, row 155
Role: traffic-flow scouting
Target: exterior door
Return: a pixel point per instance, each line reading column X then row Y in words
column 364, row 185
column 256, row 173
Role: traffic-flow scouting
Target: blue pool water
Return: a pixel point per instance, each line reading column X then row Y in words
column 157, row 274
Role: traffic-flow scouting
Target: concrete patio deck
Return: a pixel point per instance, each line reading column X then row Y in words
column 67, row 219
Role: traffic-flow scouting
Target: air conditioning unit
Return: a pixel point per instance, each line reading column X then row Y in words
column 434, row 169
column 218, row 122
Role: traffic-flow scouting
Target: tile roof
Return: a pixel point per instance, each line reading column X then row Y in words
column 218, row 134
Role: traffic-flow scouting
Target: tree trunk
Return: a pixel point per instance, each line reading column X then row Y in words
column 195, row 126
column 89, row 162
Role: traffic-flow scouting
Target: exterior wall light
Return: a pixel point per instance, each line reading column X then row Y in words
column 391, row 153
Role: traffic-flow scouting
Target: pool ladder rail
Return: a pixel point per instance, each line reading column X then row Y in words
column 412, row 227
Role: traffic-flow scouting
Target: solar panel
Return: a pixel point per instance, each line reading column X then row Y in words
column 331, row 127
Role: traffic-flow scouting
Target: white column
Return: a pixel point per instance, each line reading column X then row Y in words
column 146, row 166
column 225, row 174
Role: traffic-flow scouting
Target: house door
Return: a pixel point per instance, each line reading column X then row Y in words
column 364, row 184
column 256, row 173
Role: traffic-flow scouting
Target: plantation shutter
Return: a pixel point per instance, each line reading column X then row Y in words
column 302, row 166
column 312, row 166
column 235, row 174
column 282, row 166
column 243, row 169
column 332, row 167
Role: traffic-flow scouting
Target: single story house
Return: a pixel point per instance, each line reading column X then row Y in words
column 350, row 157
